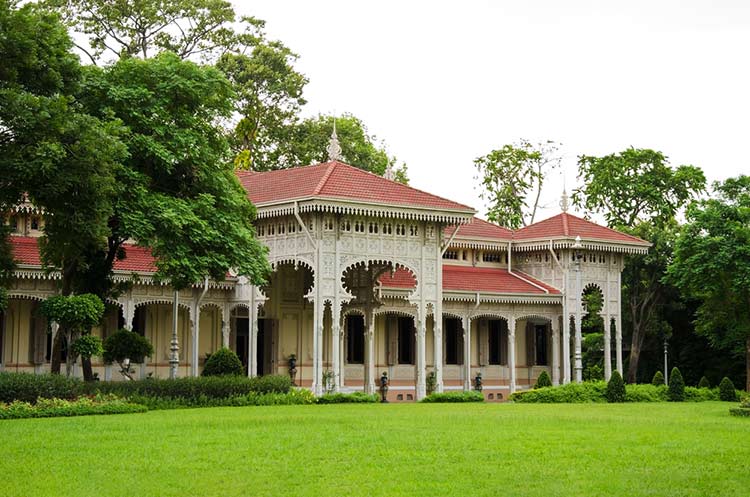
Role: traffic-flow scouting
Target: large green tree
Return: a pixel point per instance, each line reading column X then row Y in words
column 637, row 191
column 712, row 264
column 512, row 178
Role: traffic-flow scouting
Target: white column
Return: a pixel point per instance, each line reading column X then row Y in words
column 252, row 342
column 335, row 345
column 437, row 332
column 174, row 346
column 577, row 351
column 225, row 330
column 467, row 353
column 421, row 355
column 555, row 328
column 370, row 353
column 196, row 340
column 618, row 342
column 317, row 383
column 512, row 352
column 342, row 355
column 607, row 348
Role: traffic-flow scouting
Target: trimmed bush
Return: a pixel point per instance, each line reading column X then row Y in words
column 293, row 397
column 451, row 397
column 49, row 408
column 704, row 383
column 223, row 362
column 543, row 380
column 348, row 398
column 646, row 393
column 658, row 379
column 26, row 387
column 727, row 393
column 695, row 394
column 124, row 344
column 676, row 386
column 564, row 394
column 615, row 388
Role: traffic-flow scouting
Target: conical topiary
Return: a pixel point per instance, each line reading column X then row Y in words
column 704, row 383
column 676, row 386
column 223, row 362
column 615, row 388
column 543, row 380
column 658, row 379
column 727, row 392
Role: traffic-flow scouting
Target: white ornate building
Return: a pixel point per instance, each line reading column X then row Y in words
column 370, row 276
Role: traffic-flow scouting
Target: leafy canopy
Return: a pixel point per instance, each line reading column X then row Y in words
column 76, row 313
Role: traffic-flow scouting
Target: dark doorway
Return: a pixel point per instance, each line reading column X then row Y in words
column 242, row 337
column 454, row 341
column 498, row 337
column 540, row 335
column 355, row 339
column 406, row 340
column 262, row 354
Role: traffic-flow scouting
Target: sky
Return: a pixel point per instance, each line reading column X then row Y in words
column 445, row 82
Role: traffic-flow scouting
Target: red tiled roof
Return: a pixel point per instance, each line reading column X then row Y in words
column 336, row 180
column 493, row 280
column 474, row 279
column 138, row 259
column 479, row 228
column 568, row 225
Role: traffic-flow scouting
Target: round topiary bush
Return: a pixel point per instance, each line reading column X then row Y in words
column 676, row 391
column 704, row 383
column 615, row 388
column 727, row 393
column 543, row 381
column 658, row 379
column 223, row 362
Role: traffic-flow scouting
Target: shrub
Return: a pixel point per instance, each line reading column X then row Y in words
column 740, row 411
column 676, row 386
column 646, row 393
column 615, row 388
column 223, row 362
column 450, row 397
column 87, row 346
column 348, row 398
column 26, row 387
column 125, row 344
column 564, row 394
column 704, row 383
column 543, row 380
column 727, row 393
column 695, row 394
column 658, row 379
column 293, row 397
column 47, row 408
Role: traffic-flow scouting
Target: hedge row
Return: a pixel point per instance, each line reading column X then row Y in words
column 348, row 398
column 49, row 408
column 190, row 388
column 596, row 392
column 27, row 387
column 293, row 397
column 451, row 397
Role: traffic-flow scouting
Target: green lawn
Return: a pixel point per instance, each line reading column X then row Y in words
column 410, row 449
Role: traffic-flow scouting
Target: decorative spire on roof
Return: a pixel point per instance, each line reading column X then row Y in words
column 564, row 202
column 389, row 174
column 334, row 149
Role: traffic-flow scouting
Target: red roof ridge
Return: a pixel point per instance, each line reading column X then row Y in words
column 324, row 179
column 566, row 229
column 531, row 280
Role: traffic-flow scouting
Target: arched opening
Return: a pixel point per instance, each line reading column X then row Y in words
column 453, row 336
column 592, row 333
column 497, row 342
column 355, row 339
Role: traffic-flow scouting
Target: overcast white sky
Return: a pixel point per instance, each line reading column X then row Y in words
column 445, row 82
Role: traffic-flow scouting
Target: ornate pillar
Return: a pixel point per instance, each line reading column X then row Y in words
column 467, row 353
column 607, row 348
column 512, row 352
column 370, row 352
column 335, row 345
column 252, row 342
column 174, row 346
column 437, row 332
column 566, row 347
column 618, row 342
column 555, row 327
column 195, row 315
column 577, row 351
column 128, row 312
column 317, row 370
column 421, row 354
column 342, row 354
column 225, row 330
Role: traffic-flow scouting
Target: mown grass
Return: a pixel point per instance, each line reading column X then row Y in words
column 385, row 450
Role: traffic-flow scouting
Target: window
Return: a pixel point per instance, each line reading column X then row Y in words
column 490, row 257
column 454, row 341
column 405, row 340
column 540, row 341
column 346, row 225
column 413, row 230
column 139, row 320
column 498, row 337
column 14, row 224
column 400, row 230
column 387, row 229
column 355, row 339
column 450, row 254
column 373, row 228
column 35, row 223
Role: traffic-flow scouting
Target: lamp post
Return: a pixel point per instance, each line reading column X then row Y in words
column 478, row 382
column 174, row 347
column 578, row 359
column 384, row 387
column 666, row 378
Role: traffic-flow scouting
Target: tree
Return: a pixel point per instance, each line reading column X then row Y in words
column 712, row 264
column 308, row 140
column 141, row 28
column 126, row 346
column 704, row 383
column 638, row 192
column 658, row 379
column 616, row 388
column 543, row 380
column 676, row 390
column 512, row 178
column 223, row 362
column 76, row 314
column 727, row 392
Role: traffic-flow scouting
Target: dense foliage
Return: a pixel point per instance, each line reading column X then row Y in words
column 27, row 387
column 83, row 406
column 125, row 344
column 704, row 383
column 223, row 362
column 454, row 397
column 597, row 392
column 616, row 388
column 543, row 380
column 676, row 386
column 727, row 392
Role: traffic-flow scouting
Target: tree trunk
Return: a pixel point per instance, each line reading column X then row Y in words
column 88, row 371
column 56, row 357
column 635, row 353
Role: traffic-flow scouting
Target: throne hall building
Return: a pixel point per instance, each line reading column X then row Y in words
column 370, row 276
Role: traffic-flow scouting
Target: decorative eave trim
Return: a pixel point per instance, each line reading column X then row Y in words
column 589, row 244
column 501, row 298
column 356, row 208
column 480, row 244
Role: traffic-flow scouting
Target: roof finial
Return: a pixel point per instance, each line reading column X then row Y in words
column 389, row 174
column 334, row 149
column 564, row 201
